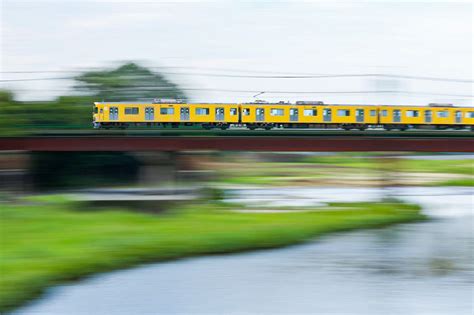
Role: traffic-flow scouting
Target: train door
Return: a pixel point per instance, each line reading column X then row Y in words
column 428, row 116
column 458, row 117
column 327, row 115
column 149, row 113
column 360, row 113
column 397, row 117
column 260, row 114
column 113, row 113
column 293, row 114
column 220, row 113
column 184, row 113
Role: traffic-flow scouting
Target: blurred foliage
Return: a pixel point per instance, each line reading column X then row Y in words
column 463, row 182
column 347, row 169
column 129, row 82
column 10, row 117
column 125, row 83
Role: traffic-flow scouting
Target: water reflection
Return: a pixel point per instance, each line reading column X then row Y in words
column 419, row 268
column 436, row 201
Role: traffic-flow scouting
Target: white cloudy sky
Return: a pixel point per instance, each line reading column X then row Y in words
column 432, row 39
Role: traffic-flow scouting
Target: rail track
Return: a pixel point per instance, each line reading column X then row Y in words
column 254, row 133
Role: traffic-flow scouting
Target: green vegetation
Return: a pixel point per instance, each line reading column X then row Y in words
column 463, row 167
column 341, row 160
column 128, row 82
column 67, row 112
column 51, row 240
column 267, row 180
column 349, row 168
column 74, row 112
column 467, row 182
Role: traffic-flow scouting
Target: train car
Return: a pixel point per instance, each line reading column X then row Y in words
column 207, row 115
column 350, row 116
column 167, row 113
column 308, row 114
column 282, row 114
column 440, row 116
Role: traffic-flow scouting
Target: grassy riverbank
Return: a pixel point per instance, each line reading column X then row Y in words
column 53, row 240
column 350, row 170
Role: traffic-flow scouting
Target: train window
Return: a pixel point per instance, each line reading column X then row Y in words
column 373, row 112
column 277, row 112
column 310, row 112
column 233, row 111
column 384, row 113
column 470, row 115
column 202, row 111
column 343, row 112
column 246, row 111
column 412, row 113
column 442, row 114
column 167, row 111
column 131, row 110
column 96, row 110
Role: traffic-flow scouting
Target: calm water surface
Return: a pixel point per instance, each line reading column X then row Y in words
column 420, row 268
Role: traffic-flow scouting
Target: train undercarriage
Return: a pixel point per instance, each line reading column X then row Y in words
column 269, row 126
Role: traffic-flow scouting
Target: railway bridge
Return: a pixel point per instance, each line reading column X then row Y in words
column 379, row 142
column 161, row 156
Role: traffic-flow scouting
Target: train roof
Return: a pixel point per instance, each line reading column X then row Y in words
column 435, row 105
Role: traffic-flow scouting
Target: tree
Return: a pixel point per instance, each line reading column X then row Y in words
column 12, row 115
column 128, row 82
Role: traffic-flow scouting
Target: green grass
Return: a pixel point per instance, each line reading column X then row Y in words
column 468, row 182
column 323, row 168
column 464, row 167
column 248, row 180
column 50, row 240
column 267, row 180
column 344, row 161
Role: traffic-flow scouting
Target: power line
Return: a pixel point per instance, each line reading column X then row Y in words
column 327, row 92
column 159, row 67
column 41, row 71
column 320, row 76
column 276, row 92
column 37, row 79
column 246, row 76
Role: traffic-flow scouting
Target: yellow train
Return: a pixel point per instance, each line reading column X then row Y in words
column 302, row 114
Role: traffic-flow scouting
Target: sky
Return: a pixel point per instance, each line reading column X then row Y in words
column 191, row 39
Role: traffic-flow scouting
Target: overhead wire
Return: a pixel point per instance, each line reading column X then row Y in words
column 279, row 92
column 247, row 76
column 270, row 92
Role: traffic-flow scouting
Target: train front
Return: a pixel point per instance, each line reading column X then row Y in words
column 96, row 115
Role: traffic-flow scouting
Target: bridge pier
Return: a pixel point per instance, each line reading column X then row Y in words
column 172, row 167
column 15, row 177
column 157, row 168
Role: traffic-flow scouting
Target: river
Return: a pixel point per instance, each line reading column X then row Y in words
column 417, row 268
